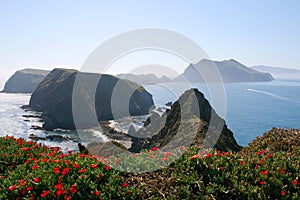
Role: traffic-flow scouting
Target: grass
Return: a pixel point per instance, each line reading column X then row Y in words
column 269, row 168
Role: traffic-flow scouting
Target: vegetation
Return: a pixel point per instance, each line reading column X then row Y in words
column 32, row 171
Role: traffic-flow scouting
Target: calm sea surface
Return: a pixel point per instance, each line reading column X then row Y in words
column 251, row 110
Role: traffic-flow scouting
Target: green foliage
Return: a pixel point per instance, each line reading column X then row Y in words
column 32, row 171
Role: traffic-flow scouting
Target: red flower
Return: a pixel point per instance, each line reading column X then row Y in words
column 264, row 172
column 35, row 167
column 222, row 168
column 36, row 180
column 125, row 184
column 107, row 167
column 97, row 192
column 65, row 171
column 194, row 156
column 29, row 188
column 56, row 170
column 67, row 197
column 262, row 182
column 93, row 166
column 82, row 170
column 58, row 186
column 25, row 149
column 76, row 166
column 61, row 192
column 73, row 189
column 295, row 182
column 100, row 175
column 282, row 193
column 164, row 159
column 45, row 193
column 282, row 171
column 154, row 149
column 13, row 187
column 208, row 155
column 241, row 162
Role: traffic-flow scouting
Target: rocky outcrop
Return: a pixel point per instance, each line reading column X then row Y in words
column 229, row 70
column 190, row 121
column 54, row 98
column 24, row 81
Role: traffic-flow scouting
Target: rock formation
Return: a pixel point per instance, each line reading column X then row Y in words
column 54, row 98
column 190, row 121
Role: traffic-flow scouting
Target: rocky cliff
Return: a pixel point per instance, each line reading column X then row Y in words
column 24, row 81
column 190, row 121
column 53, row 97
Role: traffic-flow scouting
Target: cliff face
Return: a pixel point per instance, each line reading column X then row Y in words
column 230, row 71
column 24, row 81
column 53, row 97
column 190, row 121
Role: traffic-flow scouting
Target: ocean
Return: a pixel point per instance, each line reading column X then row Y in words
column 251, row 110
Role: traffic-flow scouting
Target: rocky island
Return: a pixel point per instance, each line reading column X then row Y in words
column 53, row 97
column 24, row 81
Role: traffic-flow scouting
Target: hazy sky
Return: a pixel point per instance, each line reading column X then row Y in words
column 50, row 33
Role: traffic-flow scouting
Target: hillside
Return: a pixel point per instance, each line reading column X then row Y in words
column 24, row 81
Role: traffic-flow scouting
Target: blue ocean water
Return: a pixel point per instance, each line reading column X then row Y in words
column 251, row 109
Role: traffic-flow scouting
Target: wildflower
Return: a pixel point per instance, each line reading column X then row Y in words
column 35, row 167
column 125, row 184
column 82, row 170
column 164, row 159
column 194, row 157
column 29, row 188
column 25, row 149
column 13, row 187
column 154, row 149
column 241, row 163
column 222, row 168
column 67, row 197
column 282, row 171
column 262, row 182
column 61, row 192
column 93, row 166
column 295, row 182
column 76, row 166
column 73, row 189
column 100, row 175
column 36, row 180
column 45, row 193
column 58, row 186
column 264, row 172
column 97, row 192
column 282, row 193
column 56, row 170
column 208, row 155
column 107, row 167
column 65, row 171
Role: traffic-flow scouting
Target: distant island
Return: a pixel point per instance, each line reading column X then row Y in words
column 230, row 71
column 279, row 72
column 24, row 81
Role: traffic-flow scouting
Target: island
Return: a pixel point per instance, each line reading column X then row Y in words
column 24, row 81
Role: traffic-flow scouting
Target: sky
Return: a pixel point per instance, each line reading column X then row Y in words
column 59, row 33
